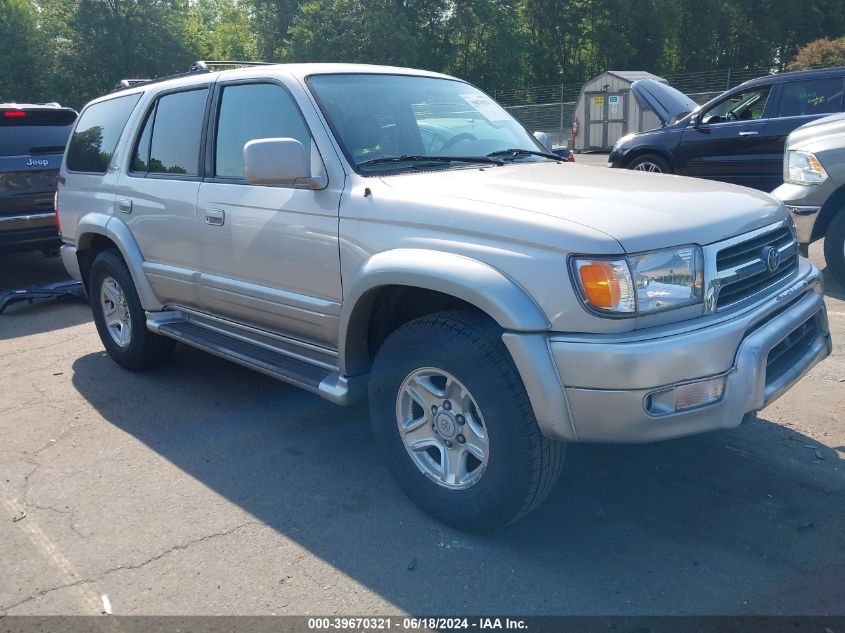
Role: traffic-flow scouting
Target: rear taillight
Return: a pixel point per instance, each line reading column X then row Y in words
column 14, row 114
column 56, row 210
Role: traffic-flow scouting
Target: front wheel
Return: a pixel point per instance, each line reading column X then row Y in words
column 651, row 163
column 834, row 247
column 452, row 417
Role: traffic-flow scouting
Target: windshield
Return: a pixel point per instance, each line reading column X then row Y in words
column 404, row 119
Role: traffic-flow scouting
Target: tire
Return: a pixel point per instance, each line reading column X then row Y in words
column 520, row 466
column 834, row 247
column 127, row 339
column 653, row 163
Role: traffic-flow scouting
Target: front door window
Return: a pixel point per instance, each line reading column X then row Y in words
column 742, row 106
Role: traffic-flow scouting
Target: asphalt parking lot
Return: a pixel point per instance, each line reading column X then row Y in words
column 204, row 488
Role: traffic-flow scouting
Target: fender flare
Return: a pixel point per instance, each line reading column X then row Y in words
column 471, row 280
column 118, row 232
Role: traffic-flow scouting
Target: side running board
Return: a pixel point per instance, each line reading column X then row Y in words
column 328, row 383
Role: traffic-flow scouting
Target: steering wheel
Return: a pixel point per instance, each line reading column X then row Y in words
column 463, row 136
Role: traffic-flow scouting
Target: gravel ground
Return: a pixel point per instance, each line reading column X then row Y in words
column 205, row 488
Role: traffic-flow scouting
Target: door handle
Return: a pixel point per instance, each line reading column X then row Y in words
column 215, row 217
column 748, row 133
column 124, row 205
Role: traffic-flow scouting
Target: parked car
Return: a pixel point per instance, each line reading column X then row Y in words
column 32, row 141
column 738, row 137
column 814, row 187
column 492, row 300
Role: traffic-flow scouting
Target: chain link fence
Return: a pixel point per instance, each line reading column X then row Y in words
column 550, row 109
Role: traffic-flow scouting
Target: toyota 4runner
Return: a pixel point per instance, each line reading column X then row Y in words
column 363, row 231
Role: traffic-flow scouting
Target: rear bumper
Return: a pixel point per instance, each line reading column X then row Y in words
column 28, row 231
column 606, row 381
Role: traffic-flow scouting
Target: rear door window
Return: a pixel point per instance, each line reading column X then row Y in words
column 253, row 111
column 176, row 133
column 813, row 96
column 34, row 131
column 97, row 132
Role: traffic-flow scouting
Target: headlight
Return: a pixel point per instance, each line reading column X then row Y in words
column 803, row 168
column 641, row 283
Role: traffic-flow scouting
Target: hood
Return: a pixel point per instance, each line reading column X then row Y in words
column 666, row 102
column 641, row 211
column 820, row 129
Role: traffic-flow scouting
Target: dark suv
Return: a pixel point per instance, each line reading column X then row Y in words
column 32, row 141
column 737, row 137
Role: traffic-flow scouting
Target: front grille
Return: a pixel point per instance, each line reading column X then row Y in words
column 785, row 354
column 743, row 270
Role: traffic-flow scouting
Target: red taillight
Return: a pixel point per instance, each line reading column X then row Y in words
column 570, row 158
column 14, row 114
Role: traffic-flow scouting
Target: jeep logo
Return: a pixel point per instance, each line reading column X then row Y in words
column 42, row 162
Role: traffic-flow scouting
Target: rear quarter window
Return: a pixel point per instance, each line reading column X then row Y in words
column 813, row 96
column 97, row 132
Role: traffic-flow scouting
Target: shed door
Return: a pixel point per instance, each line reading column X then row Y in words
column 596, row 102
column 616, row 110
column 606, row 118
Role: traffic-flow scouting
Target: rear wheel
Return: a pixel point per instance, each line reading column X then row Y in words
column 651, row 163
column 452, row 417
column 119, row 317
column 834, row 247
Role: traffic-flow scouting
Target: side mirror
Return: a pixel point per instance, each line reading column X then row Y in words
column 544, row 139
column 278, row 161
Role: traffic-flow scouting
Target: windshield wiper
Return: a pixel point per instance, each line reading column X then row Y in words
column 486, row 160
column 517, row 152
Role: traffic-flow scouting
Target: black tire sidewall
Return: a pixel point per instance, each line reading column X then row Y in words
column 499, row 495
column 834, row 247
column 109, row 264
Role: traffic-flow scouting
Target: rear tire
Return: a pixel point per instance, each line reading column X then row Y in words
column 652, row 163
column 505, row 466
column 834, row 247
column 119, row 317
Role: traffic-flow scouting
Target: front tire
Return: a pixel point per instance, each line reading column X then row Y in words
column 119, row 317
column 454, row 422
column 834, row 247
column 652, row 163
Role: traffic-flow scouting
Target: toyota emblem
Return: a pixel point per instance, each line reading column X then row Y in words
column 771, row 257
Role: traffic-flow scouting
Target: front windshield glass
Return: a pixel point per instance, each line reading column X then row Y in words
column 393, row 122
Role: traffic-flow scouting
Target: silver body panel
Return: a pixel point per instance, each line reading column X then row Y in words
column 286, row 274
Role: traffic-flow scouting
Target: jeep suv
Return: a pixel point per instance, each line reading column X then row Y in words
column 492, row 300
column 32, row 141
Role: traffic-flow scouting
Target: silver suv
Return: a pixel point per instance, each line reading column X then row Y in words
column 362, row 231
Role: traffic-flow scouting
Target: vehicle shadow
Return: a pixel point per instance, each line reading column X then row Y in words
column 832, row 288
column 744, row 521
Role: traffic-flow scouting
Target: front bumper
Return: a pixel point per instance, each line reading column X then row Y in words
column 604, row 381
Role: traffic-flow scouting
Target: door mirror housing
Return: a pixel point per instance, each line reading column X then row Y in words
column 279, row 161
column 544, row 139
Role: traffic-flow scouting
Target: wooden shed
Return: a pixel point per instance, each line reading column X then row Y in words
column 606, row 110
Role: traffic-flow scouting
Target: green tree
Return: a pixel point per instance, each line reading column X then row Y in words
column 22, row 47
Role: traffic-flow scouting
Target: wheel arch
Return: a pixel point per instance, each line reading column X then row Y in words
column 649, row 149
column 97, row 232
column 435, row 280
column 834, row 205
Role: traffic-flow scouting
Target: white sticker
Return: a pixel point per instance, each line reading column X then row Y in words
column 486, row 107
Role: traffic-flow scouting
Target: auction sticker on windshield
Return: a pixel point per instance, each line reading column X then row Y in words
column 486, row 107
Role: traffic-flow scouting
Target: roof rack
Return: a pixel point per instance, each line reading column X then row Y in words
column 203, row 64
column 200, row 66
column 128, row 83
